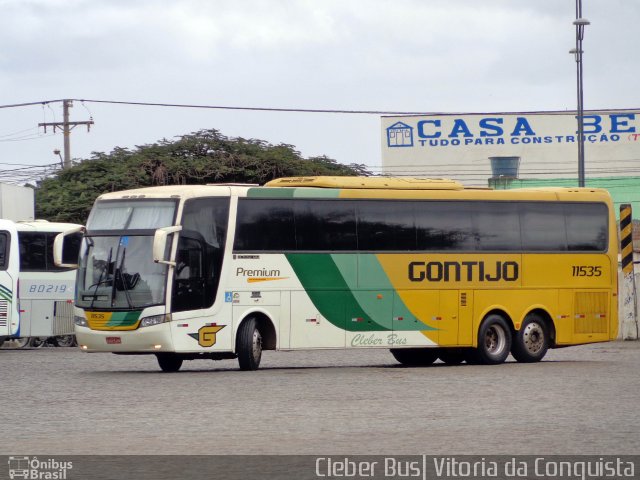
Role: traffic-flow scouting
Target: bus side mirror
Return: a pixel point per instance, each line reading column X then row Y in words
column 66, row 248
column 160, row 244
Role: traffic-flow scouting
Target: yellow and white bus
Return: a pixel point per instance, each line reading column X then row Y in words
column 426, row 268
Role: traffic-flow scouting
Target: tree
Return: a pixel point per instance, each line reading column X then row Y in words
column 205, row 156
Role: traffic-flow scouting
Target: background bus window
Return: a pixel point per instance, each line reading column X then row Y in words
column 71, row 248
column 36, row 251
column 33, row 251
column 4, row 250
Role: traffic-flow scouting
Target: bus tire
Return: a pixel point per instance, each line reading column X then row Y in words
column 249, row 345
column 169, row 362
column 415, row 357
column 494, row 340
column 37, row 342
column 532, row 340
column 452, row 356
column 66, row 340
column 20, row 342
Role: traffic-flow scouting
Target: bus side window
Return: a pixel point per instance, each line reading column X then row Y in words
column 4, row 250
column 71, row 248
column 33, row 251
column 200, row 249
column 189, row 281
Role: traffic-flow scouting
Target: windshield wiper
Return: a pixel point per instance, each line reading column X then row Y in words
column 100, row 281
column 124, row 280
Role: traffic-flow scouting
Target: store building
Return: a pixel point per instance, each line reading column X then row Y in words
column 518, row 149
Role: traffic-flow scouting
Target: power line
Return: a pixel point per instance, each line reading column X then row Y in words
column 28, row 104
column 258, row 109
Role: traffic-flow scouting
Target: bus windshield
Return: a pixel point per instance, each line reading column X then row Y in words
column 116, row 267
column 118, row 272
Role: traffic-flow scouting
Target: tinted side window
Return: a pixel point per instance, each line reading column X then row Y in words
column 325, row 225
column 498, row 225
column 200, row 252
column 384, row 225
column 4, row 250
column 71, row 249
column 265, row 225
column 33, row 251
column 444, row 226
column 587, row 226
column 543, row 227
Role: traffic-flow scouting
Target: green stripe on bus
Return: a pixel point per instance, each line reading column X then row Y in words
column 293, row 192
column 123, row 319
column 270, row 192
column 347, row 303
column 375, row 293
column 337, row 303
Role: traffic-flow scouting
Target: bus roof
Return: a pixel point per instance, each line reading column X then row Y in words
column 383, row 183
column 44, row 226
column 362, row 187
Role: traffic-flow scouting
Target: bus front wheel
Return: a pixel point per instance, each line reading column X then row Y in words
column 531, row 341
column 415, row 357
column 169, row 362
column 494, row 340
column 249, row 345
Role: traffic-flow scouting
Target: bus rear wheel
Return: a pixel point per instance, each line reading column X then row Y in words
column 494, row 340
column 249, row 345
column 169, row 362
column 415, row 357
column 531, row 341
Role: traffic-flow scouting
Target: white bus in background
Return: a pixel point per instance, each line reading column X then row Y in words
column 36, row 297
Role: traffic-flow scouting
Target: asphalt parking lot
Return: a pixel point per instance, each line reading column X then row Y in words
column 579, row 400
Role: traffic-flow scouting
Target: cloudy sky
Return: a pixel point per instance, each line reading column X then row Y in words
column 383, row 55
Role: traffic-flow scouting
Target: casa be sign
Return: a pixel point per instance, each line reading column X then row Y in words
column 536, row 137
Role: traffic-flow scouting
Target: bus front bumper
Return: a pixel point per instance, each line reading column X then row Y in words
column 154, row 339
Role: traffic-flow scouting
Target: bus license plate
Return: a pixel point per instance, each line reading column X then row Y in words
column 113, row 340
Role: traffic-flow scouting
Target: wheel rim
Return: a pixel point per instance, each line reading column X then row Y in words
column 495, row 340
column 21, row 342
column 256, row 345
column 533, row 338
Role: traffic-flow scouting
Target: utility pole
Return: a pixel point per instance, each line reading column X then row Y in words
column 66, row 126
column 580, row 23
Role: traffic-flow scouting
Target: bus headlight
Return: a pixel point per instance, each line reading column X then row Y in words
column 80, row 321
column 155, row 320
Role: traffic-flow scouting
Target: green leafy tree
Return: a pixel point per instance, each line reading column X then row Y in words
column 202, row 157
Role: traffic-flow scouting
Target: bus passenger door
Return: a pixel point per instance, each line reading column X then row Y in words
column 8, row 279
column 8, row 298
column 319, row 323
